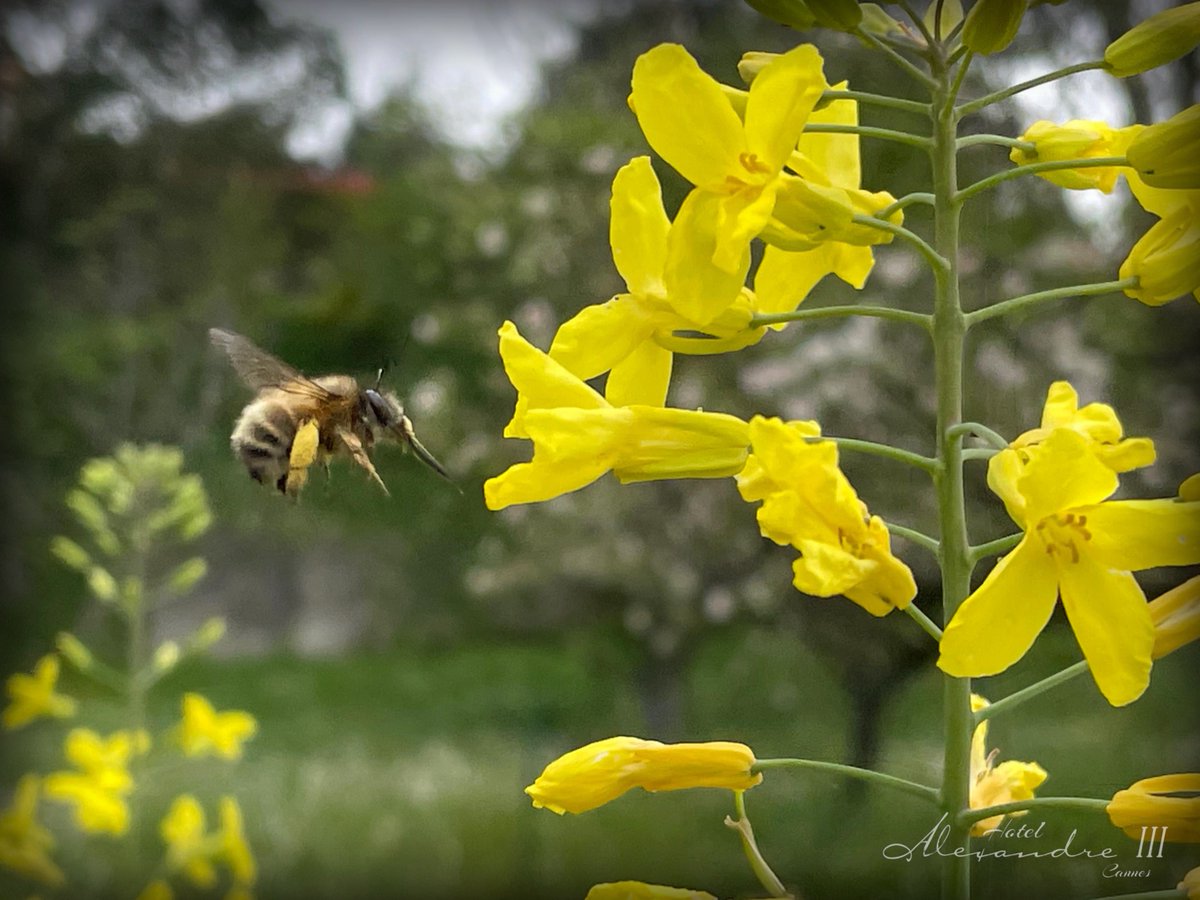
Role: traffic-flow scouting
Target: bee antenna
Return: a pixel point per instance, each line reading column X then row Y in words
column 379, row 376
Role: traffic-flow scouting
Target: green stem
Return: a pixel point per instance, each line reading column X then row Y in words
column 954, row 556
column 1076, row 290
column 919, row 21
column 1096, row 162
column 926, row 793
column 979, row 453
column 979, row 431
column 768, row 879
column 836, row 312
column 904, row 202
column 886, row 134
column 878, row 100
column 924, row 621
column 894, row 56
column 917, row 537
column 974, row 106
column 935, row 260
column 995, row 140
column 971, row 816
column 895, row 453
column 960, row 75
column 1016, row 698
column 993, row 548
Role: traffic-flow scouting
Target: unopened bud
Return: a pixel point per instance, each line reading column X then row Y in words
column 74, row 651
column 1167, row 155
column 992, row 24
column 793, row 13
column 1157, row 41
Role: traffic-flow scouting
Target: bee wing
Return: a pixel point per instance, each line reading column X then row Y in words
column 258, row 368
column 359, row 454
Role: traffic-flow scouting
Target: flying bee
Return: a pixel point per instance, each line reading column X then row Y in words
column 295, row 421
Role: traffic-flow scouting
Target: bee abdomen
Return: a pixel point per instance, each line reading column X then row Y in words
column 262, row 440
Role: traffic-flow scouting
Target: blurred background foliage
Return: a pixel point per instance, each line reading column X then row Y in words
column 415, row 661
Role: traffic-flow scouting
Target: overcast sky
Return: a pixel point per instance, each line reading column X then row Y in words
column 473, row 62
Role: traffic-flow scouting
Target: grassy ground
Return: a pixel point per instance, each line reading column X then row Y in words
column 400, row 775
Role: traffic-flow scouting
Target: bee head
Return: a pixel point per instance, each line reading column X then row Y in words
column 384, row 412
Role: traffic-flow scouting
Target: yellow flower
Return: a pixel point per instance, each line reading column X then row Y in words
column 25, row 844
column 101, row 783
column 809, row 504
column 1078, row 545
column 1176, row 617
column 192, row 850
column 1155, row 802
column 203, row 730
column 157, row 890
column 1154, row 42
column 632, row 336
column 233, row 846
column 1164, row 155
column 31, row 696
column 188, row 848
column 638, row 890
column 734, row 163
column 604, row 770
column 1166, row 259
column 992, row 785
column 1097, row 422
column 578, row 436
column 1076, row 139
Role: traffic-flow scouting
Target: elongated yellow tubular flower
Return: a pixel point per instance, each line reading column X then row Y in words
column 1157, row 41
column 1169, row 802
column 1167, row 154
column 992, row 24
column 1176, row 617
column 578, row 436
column 639, row 890
column 592, row 775
column 1166, row 259
column 1076, row 139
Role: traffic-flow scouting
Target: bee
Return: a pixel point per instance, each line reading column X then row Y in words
column 295, row 421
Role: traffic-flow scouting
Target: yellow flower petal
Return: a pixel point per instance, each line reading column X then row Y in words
column 535, row 482
column 997, row 624
column 233, row 846
column 1076, row 139
column 1166, row 259
column 638, row 227
column 601, row 336
column 541, row 382
column 832, row 159
column 1176, row 617
column 1156, row 802
column 685, row 116
column 642, row 377
column 1108, row 614
column 637, row 890
column 781, row 98
column 697, row 288
column 34, row 696
column 1131, row 535
column 1063, row 475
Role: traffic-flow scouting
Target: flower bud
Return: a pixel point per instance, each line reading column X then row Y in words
column 754, row 62
column 843, row 15
column 792, row 13
column 1076, row 139
column 877, row 22
column 1166, row 260
column 1157, row 41
column 74, row 651
column 166, row 657
column 1167, row 155
column 992, row 24
column 1176, row 616
column 207, row 635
